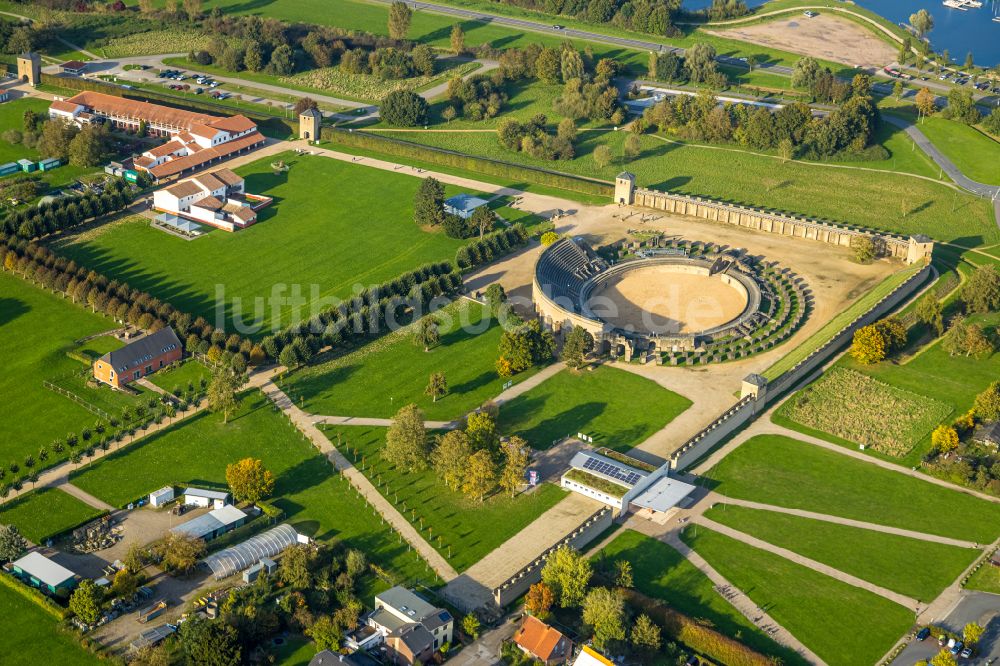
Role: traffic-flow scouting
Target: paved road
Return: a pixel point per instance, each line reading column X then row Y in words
column 979, row 607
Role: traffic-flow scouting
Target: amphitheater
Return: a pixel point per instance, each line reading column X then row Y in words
column 680, row 301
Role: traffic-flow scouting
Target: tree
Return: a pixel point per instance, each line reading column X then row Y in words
column 428, row 203
column 548, row 66
column 973, row 631
column 427, row 333
column 470, row 625
column 406, row 440
column 437, row 386
column 921, row 22
column 930, row 312
column 926, row 103
column 548, row 238
column 423, row 59
column 481, row 429
column 571, row 65
column 700, row 61
column 303, row 104
column 294, row 569
column 326, row 633
column 515, row 452
column 249, row 481
column 495, row 297
column 905, row 48
column 222, row 392
column 192, row 8
column 12, row 544
column 86, row 602
column 87, row 148
column 632, row 147
column 604, row 610
column 568, row 573
column 400, row 15
column 944, row 438
column 483, row 220
column 282, row 60
column 897, row 89
column 22, row 40
column 181, row 552
column 210, row 643
column 254, row 56
column 645, row 634
column 404, row 108
column 539, row 600
column 457, row 39
column 55, row 139
column 134, row 559
column 623, row 574
column 450, row 458
column 987, row 404
column 805, row 72
column 868, row 346
column 449, row 114
column 602, row 156
column 125, row 584
column 481, row 475
column 944, row 657
column 966, row 339
column 577, row 345
column 981, row 292
column 864, row 249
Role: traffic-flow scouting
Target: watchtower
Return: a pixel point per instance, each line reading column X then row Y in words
column 920, row 247
column 29, row 68
column 309, row 124
column 625, row 188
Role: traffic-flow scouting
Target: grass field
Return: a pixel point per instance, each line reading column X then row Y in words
column 832, row 327
column 45, row 513
column 461, row 529
column 615, row 407
column 391, row 372
column 854, row 406
column 30, row 636
column 312, row 245
column 34, row 415
column 918, row 569
column 12, row 117
column 789, row 473
column 316, row 501
column 844, row 625
column 907, row 204
column 190, row 372
column 974, row 153
column 662, row 573
column 985, row 579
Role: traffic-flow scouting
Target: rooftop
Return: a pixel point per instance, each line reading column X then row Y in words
column 204, row 492
column 142, row 350
column 195, row 160
column 73, row 64
column 541, row 640
column 211, row 521
column 38, row 566
column 406, row 602
column 465, row 202
column 130, row 108
column 606, row 468
column 664, row 494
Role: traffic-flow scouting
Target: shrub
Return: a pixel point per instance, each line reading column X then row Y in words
column 404, row 109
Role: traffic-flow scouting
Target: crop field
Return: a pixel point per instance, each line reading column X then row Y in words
column 775, row 470
column 31, row 637
column 662, row 573
column 815, row 189
column 29, row 358
column 169, row 40
column 827, row 615
column 601, row 403
column 916, row 568
column 44, row 513
column 371, row 88
column 388, row 373
column 851, row 405
column 463, row 530
column 310, row 247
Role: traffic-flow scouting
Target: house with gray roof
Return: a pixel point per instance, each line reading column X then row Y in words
column 139, row 358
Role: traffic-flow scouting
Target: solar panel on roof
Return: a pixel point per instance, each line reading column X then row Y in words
column 612, row 471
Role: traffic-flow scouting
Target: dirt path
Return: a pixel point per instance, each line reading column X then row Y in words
column 85, row 497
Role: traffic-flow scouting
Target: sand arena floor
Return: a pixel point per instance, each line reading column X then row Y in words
column 660, row 300
column 824, row 36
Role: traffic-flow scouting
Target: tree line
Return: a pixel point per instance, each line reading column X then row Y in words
column 66, row 212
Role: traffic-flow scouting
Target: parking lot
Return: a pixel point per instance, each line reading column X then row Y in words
column 978, row 607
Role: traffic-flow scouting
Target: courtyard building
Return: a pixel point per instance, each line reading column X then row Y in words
column 217, row 198
column 139, row 358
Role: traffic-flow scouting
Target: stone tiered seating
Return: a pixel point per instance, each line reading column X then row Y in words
column 566, row 267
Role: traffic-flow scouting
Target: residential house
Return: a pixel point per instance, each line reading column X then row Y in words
column 328, row 658
column 542, row 642
column 139, row 358
column 411, row 628
column 988, row 434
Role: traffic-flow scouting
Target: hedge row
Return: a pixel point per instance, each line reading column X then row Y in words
column 401, row 148
column 368, row 314
column 36, row 597
column 66, row 213
column 116, row 299
column 493, row 245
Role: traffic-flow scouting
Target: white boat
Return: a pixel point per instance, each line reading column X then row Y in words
column 973, row 3
column 955, row 4
column 996, row 19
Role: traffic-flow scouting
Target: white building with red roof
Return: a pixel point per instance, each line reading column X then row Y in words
column 217, row 198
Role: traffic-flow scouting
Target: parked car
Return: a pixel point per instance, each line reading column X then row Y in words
column 966, row 653
column 198, row 91
column 557, row 27
column 809, row 14
column 957, row 647
column 923, row 633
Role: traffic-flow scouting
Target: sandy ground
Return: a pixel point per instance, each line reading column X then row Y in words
column 823, row 36
column 660, row 300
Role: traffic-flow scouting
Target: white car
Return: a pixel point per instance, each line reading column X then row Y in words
column 809, row 14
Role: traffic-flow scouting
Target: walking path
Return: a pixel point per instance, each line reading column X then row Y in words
column 82, row 495
column 304, row 422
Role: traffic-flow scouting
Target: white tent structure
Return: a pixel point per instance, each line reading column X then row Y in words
column 244, row 555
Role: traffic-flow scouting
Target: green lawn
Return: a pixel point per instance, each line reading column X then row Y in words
column 832, row 327
column 906, row 204
column 333, row 225
column 986, row 579
column 786, row 472
column 391, row 372
column 918, row 569
column 30, row 636
column 974, row 153
column 189, row 372
column 662, row 573
column 617, row 408
column 315, row 500
column 34, row 415
column 45, row 513
column 12, row 117
column 461, row 529
column 842, row 624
